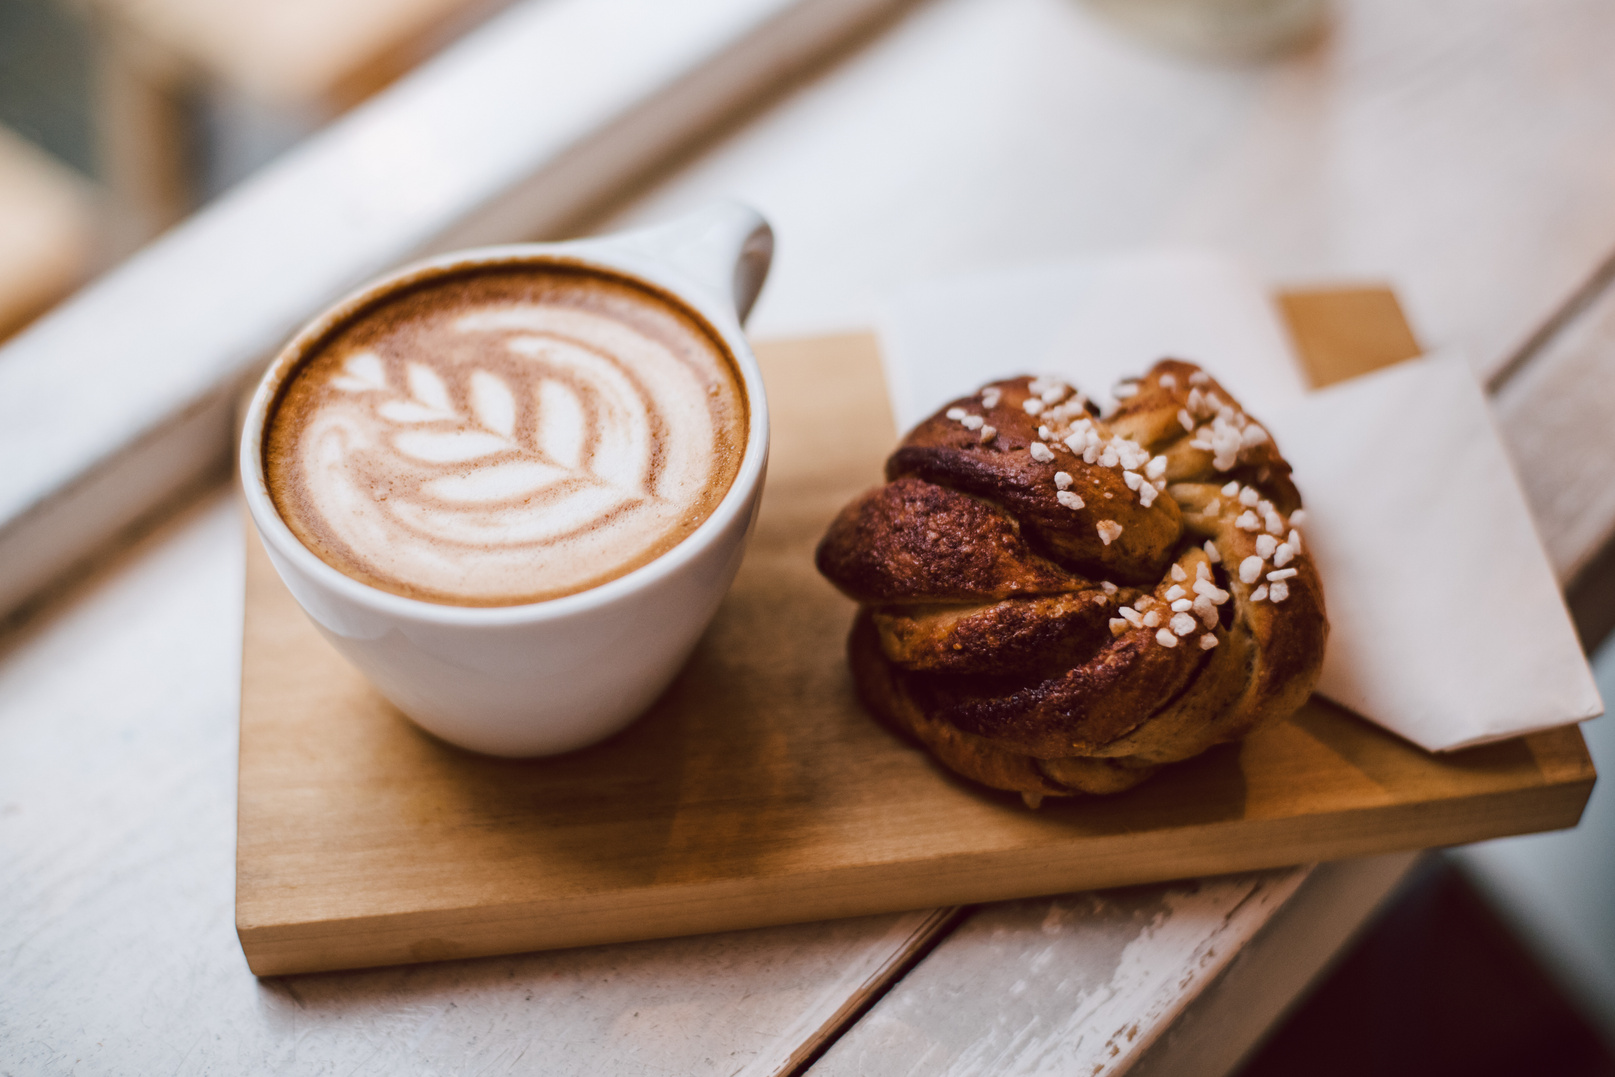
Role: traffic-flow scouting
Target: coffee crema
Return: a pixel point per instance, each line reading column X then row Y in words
column 506, row 435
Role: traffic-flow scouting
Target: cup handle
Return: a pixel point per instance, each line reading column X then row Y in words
column 727, row 247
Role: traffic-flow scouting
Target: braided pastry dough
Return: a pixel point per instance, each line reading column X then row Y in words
column 1057, row 603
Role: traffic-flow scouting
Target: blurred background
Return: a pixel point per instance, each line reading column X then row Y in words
column 1465, row 153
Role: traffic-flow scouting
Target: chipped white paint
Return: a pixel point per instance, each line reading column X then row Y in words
column 1080, row 984
column 1223, row 1025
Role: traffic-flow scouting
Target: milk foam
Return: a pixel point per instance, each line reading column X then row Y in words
column 507, row 452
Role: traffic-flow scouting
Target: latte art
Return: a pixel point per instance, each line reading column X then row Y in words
column 506, row 440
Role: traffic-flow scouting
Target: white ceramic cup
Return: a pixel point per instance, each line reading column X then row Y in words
column 551, row 676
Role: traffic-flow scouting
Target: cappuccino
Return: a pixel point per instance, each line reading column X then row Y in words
column 506, row 435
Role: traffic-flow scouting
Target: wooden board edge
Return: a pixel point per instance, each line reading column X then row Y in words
column 294, row 946
column 1562, row 755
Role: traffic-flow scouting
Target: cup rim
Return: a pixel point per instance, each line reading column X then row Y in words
column 600, row 255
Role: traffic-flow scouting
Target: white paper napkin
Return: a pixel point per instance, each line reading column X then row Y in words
column 1446, row 624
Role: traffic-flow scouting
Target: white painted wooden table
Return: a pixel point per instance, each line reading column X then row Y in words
column 1461, row 150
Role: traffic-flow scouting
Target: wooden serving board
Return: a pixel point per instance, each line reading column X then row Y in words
column 757, row 791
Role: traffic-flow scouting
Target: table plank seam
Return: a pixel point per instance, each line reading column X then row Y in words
column 1556, row 324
